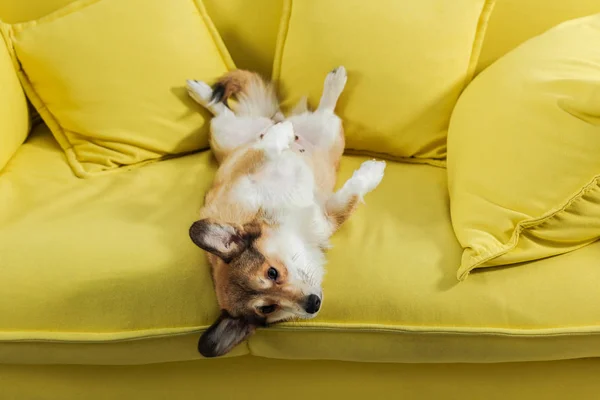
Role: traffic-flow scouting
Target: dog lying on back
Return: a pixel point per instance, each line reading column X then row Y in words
column 268, row 217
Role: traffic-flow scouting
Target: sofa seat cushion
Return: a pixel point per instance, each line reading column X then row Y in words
column 102, row 271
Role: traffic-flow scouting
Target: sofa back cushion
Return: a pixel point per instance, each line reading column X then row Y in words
column 524, row 146
column 108, row 78
column 249, row 30
column 515, row 21
column 407, row 63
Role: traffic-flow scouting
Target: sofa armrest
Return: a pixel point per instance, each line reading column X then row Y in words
column 14, row 113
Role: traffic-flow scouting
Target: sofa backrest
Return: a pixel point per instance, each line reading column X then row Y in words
column 249, row 28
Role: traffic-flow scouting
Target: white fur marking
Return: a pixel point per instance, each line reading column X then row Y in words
column 201, row 92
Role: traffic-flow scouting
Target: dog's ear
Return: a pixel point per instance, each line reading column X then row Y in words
column 223, row 240
column 226, row 333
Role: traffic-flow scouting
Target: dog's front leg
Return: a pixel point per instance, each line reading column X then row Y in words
column 340, row 206
column 202, row 93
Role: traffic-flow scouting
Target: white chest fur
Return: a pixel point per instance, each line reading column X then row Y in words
column 283, row 183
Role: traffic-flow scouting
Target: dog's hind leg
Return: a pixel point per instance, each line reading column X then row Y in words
column 342, row 203
column 332, row 89
column 202, row 93
column 301, row 107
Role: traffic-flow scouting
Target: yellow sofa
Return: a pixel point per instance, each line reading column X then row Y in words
column 104, row 296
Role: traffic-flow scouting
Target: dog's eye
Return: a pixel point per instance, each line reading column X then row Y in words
column 267, row 309
column 272, row 274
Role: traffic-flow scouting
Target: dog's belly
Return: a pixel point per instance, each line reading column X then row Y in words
column 317, row 130
column 283, row 183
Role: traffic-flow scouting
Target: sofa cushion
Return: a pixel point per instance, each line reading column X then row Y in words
column 102, row 271
column 407, row 63
column 108, row 77
column 514, row 21
column 524, row 145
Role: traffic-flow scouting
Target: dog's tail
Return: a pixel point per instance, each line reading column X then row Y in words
column 255, row 97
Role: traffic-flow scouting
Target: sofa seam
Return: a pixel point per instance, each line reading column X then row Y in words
column 342, row 329
column 435, row 162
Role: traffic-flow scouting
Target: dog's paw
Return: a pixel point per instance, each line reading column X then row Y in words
column 368, row 176
column 199, row 91
column 279, row 136
column 335, row 81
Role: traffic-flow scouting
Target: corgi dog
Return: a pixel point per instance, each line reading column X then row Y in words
column 272, row 208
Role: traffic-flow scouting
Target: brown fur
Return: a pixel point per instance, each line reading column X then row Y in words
column 243, row 283
column 217, row 200
column 235, row 82
column 338, row 216
column 232, row 85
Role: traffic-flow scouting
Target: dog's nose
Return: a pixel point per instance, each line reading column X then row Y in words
column 313, row 304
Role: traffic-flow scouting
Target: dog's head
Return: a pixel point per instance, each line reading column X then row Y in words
column 260, row 276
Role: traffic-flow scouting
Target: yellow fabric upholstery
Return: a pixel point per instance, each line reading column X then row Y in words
column 249, row 35
column 101, row 272
column 14, row 11
column 124, row 233
column 249, row 30
column 14, row 117
column 515, row 21
column 115, row 102
column 407, row 63
column 524, row 141
column 109, row 260
column 224, row 379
